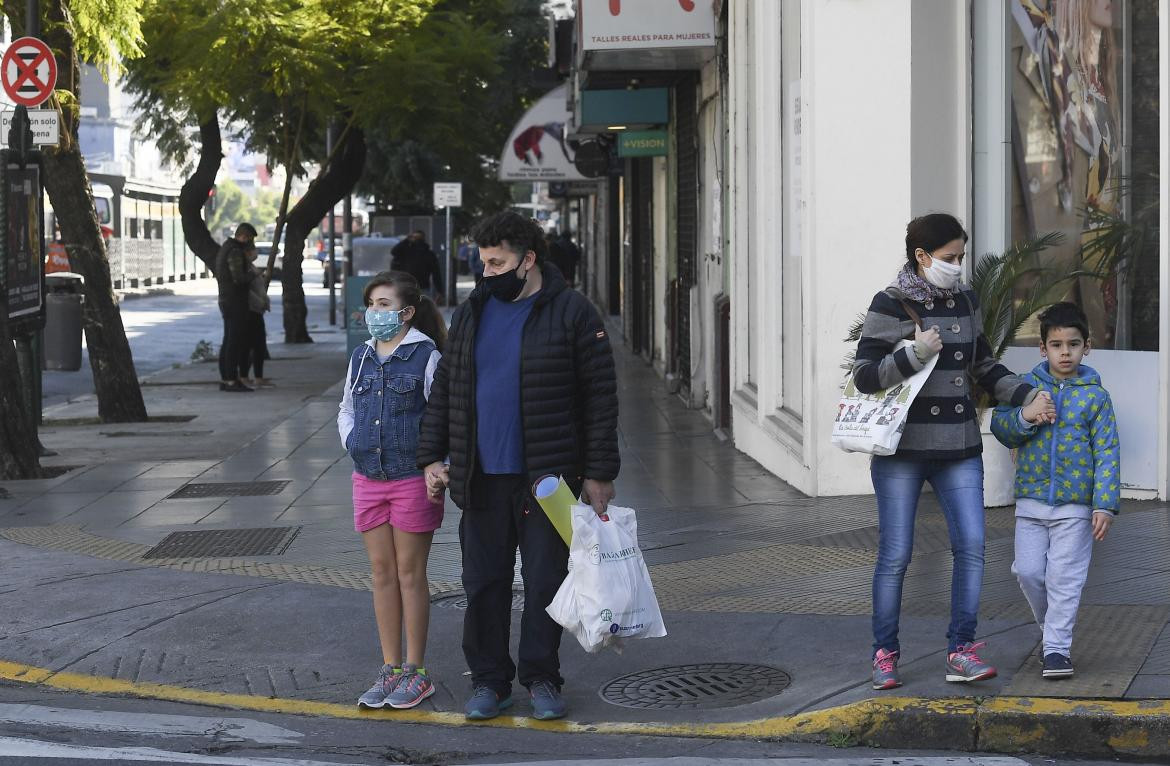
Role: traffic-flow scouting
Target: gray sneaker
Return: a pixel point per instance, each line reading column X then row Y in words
column 388, row 678
column 413, row 687
column 964, row 664
column 885, row 670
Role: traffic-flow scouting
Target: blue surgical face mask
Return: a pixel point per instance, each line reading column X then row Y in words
column 383, row 324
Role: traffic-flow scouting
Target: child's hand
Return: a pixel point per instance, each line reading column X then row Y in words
column 1102, row 520
column 437, row 477
column 1040, row 410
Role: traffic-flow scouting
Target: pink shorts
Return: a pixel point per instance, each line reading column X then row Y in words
column 401, row 503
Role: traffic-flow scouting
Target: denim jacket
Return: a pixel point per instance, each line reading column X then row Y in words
column 382, row 406
column 1077, row 460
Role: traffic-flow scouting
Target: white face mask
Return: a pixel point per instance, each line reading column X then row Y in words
column 941, row 274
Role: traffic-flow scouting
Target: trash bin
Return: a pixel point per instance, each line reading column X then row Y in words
column 63, row 321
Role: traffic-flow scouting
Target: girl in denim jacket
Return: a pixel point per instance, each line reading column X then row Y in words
column 385, row 394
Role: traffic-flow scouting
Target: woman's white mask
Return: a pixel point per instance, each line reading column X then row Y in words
column 941, row 274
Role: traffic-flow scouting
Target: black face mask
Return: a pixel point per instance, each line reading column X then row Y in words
column 505, row 287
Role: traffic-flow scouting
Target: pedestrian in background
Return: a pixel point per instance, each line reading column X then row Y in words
column 386, row 391
column 566, row 255
column 231, row 274
column 941, row 444
column 1068, row 480
column 415, row 257
column 526, row 388
column 256, row 334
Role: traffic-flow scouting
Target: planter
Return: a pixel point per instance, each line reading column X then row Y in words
column 999, row 468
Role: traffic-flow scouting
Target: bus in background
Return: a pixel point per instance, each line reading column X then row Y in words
column 140, row 224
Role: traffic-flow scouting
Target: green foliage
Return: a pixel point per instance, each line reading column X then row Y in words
column 1013, row 286
column 485, row 55
column 107, row 33
column 266, row 66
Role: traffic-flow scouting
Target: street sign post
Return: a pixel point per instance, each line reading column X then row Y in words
column 28, row 71
column 449, row 195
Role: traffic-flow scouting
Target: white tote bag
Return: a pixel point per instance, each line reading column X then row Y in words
column 607, row 596
column 873, row 423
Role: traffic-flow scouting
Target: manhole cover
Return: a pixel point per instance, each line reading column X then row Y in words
column 224, row 543
column 459, row 601
column 228, row 489
column 712, row 685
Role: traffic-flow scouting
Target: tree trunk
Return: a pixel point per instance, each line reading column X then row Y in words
column 195, row 191
column 339, row 178
column 19, row 449
column 115, row 380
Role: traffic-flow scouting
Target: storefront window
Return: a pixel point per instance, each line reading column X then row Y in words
column 1084, row 112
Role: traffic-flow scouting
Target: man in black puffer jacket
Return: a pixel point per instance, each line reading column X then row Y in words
column 526, row 388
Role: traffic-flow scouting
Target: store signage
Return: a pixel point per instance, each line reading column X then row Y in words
column 23, row 256
column 537, row 149
column 640, row 24
column 44, row 123
column 642, row 143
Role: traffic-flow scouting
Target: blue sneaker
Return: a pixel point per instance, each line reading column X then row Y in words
column 388, row 678
column 1057, row 665
column 485, row 703
column 547, row 702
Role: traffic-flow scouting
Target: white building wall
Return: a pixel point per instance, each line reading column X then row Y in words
column 710, row 266
column 884, row 126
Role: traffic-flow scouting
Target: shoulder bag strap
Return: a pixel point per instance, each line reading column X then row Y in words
column 912, row 313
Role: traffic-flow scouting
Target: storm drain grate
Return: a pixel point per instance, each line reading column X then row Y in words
column 459, row 601
column 228, row 489
column 224, row 543
column 711, row 685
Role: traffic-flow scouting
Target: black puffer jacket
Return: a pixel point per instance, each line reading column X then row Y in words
column 568, row 392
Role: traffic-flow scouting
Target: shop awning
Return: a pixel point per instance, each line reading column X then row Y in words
column 645, row 34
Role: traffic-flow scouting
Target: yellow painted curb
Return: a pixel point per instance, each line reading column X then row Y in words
column 818, row 724
column 928, row 722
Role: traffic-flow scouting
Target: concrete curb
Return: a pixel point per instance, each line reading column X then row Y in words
column 1081, row 728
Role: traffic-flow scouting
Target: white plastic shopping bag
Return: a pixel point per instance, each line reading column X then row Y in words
column 607, row 596
column 873, row 423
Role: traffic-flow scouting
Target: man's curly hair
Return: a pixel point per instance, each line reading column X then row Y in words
column 511, row 230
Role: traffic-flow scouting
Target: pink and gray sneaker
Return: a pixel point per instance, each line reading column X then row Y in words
column 413, row 687
column 885, row 670
column 964, row 665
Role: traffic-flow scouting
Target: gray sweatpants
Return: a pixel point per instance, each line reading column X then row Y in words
column 1052, row 564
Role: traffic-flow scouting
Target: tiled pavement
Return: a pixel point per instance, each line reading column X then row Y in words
column 736, row 555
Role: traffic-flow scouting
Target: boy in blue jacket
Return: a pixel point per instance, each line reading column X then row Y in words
column 1068, row 480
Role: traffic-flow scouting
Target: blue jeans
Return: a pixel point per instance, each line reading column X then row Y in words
column 959, row 487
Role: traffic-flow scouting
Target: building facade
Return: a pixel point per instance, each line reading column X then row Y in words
column 803, row 135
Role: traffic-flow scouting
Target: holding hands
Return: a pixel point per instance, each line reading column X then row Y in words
column 438, row 476
column 1040, row 410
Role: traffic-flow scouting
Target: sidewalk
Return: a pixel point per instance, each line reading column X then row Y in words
column 748, row 571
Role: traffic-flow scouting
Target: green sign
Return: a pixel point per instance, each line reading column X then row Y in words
column 642, row 143
column 355, row 312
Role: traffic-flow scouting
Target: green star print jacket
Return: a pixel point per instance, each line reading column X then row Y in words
column 1076, row 460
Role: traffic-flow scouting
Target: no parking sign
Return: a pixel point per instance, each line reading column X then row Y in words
column 28, row 71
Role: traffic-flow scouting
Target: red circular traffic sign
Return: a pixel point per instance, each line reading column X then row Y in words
column 28, row 71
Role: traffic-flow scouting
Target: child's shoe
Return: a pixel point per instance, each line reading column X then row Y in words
column 1057, row 665
column 388, row 679
column 413, row 687
column 964, row 665
column 885, row 670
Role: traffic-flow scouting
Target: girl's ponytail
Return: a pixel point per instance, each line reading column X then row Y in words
column 429, row 320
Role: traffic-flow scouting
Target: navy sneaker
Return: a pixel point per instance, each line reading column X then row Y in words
column 1057, row 665
column 547, row 702
column 485, row 703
